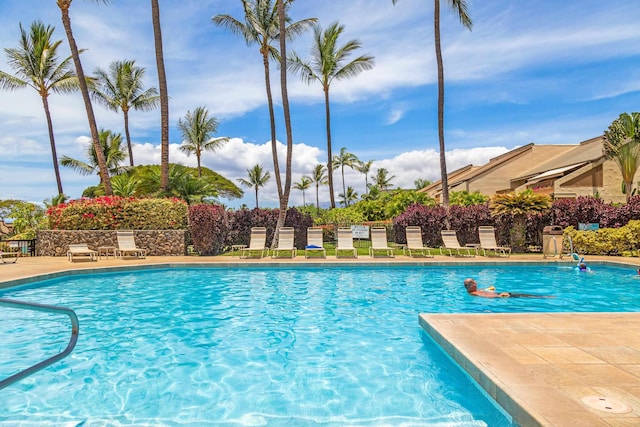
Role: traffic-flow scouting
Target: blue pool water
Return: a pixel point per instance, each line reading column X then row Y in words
column 269, row 346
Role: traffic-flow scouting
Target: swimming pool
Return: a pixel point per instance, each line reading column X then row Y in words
column 269, row 346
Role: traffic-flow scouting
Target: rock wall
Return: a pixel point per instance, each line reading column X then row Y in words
column 156, row 242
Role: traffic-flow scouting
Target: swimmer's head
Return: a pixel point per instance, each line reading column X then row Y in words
column 470, row 285
column 582, row 266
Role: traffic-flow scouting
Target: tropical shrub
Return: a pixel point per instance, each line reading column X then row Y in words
column 623, row 240
column 241, row 221
column 209, row 226
column 341, row 216
column 379, row 206
column 464, row 198
column 430, row 219
column 118, row 213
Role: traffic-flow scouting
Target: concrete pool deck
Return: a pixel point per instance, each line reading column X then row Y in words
column 543, row 368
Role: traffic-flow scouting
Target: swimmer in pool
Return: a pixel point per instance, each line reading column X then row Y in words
column 472, row 289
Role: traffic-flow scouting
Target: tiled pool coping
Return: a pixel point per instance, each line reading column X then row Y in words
column 531, row 387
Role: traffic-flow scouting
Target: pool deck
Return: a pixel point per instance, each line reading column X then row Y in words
column 544, row 369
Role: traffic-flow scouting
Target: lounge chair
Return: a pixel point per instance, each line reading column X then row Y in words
column 81, row 250
column 450, row 244
column 314, row 242
column 285, row 242
column 127, row 245
column 488, row 242
column 379, row 242
column 257, row 244
column 11, row 254
column 414, row 242
column 345, row 242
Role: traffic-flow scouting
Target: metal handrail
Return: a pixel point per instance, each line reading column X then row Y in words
column 75, row 329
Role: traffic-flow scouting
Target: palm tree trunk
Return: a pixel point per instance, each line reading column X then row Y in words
column 344, row 188
column 329, row 153
column 256, row 197
column 164, row 97
column 198, row 154
column 284, row 200
column 102, row 164
column 272, row 123
column 317, row 199
column 126, row 132
column 443, row 162
column 54, row 155
column 304, row 202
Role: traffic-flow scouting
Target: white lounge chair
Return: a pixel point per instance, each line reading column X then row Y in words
column 257, row 244
column 127, row 245
column 487, row 236
column 285, row 242
column 81, row 250
column 11, row 254
column 379, row 242
column 450, row 243
column 414, row 242
column 314, row 242
column 345, row 242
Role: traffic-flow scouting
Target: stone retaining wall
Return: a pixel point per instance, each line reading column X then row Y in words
column 156, row 242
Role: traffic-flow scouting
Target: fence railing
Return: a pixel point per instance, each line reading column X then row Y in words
column 26, row 247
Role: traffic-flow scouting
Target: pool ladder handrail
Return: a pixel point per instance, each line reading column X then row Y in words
column 75, row 329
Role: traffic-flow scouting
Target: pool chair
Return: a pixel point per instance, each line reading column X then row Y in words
column 314, row 243
column 379, row 242
column 127, row 245
column 285, row 243
column 488, row 242
column 4, row 256
column 81, row 250
column 257, row 244
column 345, row 242
column 452, row 246
column 414, row 242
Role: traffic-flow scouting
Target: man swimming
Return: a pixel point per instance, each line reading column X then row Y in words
column 472, row 289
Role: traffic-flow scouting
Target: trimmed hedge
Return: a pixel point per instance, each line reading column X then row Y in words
column 623, row 240
column 209, row 226
column 119, row 213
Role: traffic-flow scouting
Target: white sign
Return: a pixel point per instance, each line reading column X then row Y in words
column 360, row 231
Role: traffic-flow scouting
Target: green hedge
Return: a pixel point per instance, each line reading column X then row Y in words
column 119, row 213
column 623, row 240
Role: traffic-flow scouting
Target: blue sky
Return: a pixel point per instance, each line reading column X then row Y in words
column 547, row 72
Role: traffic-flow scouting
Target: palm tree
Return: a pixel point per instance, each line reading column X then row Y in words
column 622, row 144
column 121, row 88
column 258, row 177
column 518, row 205
column 36, row 65
column 263, row 21
column 420, row 183
column 164, row 97
column 328, row 64
column 460, row 8
column 64, row 6
column 302, row 185
column 350, row 195
column 344, row 159
column 382, row 180
column 111, row 146
column 197, row 129
column 364, row 168
column 319, row 177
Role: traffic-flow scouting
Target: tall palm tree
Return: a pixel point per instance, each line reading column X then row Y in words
column 302, row 185
column 364, row 168
column 64, row 6
column 344, row 159
column 258, row 177
column 263, row 21
column 197, row 129
column 382, row 180
column 350, row 195
column 622, row 144
column 326, row 65
column 460, row 8
column 36, row 65
column 164, row 98
column 121, row 88
column 111, row 146
column 319, row 177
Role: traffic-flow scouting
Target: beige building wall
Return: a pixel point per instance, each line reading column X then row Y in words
column 601, row 178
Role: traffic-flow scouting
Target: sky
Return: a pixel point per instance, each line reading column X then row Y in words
column 547, row 72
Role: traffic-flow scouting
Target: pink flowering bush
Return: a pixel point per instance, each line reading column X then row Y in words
column 119, row 213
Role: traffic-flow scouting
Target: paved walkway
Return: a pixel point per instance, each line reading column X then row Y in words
column 549, row 369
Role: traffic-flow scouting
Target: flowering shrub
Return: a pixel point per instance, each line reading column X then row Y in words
column 209, row 226
column 119, row 213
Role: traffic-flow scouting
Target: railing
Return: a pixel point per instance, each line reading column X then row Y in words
column 27, row 246
column 75, row 329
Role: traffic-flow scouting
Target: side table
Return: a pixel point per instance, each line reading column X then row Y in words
column 106, row 251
